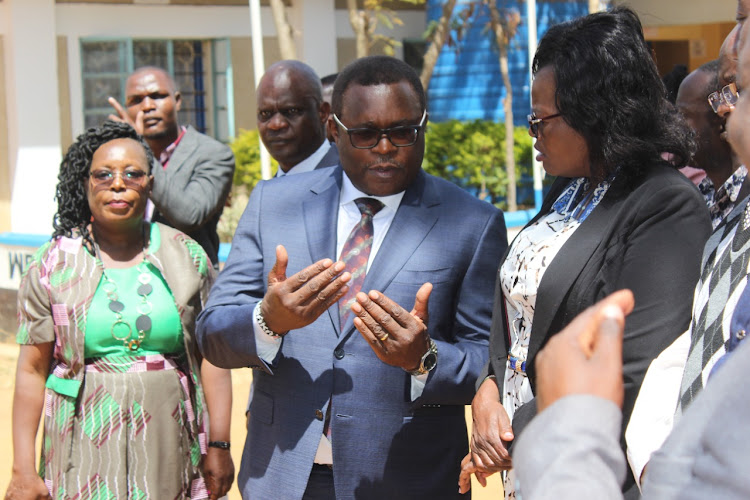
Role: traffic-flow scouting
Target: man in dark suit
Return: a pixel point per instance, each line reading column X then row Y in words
column 193, row 179
column 292, row 117
column 376, row 414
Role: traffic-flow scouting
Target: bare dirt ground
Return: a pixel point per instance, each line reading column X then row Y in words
column 241, row 384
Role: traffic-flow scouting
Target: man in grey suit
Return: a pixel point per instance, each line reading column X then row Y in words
column 292, row 117
column 194, row 177
column 380, row 413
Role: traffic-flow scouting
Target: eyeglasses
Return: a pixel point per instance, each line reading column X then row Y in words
column 368, row 138
column 727, row 96
column 131, row 178
column 534, row 122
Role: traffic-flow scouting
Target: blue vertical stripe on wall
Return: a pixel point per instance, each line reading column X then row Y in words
column 466, row 83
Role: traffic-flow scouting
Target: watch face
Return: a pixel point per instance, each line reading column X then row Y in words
column 429, row 361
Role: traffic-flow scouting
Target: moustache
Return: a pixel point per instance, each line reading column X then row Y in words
column 384, row 161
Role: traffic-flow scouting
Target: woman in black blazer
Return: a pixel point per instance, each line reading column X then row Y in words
column 619, row 215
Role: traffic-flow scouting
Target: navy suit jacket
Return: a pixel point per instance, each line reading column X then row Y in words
column 384, row 444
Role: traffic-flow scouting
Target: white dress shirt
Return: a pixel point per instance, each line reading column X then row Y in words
column 309, row 163
column 653, row 414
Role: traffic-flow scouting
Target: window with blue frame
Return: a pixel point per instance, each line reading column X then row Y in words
column 201, row 70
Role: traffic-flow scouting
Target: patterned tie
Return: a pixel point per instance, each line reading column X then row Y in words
column 708, row 336
column 356, row 252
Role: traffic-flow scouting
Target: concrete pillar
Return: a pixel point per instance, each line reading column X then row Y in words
column 33, row 113
column 315, row 21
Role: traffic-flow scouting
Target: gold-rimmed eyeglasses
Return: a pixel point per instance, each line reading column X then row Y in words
column 104, row 178
column 534, row 122
column 727, row 96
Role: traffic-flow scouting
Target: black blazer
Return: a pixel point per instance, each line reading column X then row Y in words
column 649, row 240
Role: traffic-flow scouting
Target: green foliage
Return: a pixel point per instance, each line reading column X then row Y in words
column 472, row 155
column 246, row 149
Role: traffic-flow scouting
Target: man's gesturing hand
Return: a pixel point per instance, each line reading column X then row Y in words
column 298, row 300
column 399, row 338
column 122, row 116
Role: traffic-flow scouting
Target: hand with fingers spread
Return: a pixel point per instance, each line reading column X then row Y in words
column 123, row 117
column 296, row 301
column 399, row 338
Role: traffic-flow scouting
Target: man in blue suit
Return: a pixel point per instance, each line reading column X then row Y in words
column 380, row 413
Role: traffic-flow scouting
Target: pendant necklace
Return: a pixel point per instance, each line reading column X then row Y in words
column 122, row 330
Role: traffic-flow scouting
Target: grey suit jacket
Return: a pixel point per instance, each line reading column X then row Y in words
column 570, row 451
column 190, row 193
column 384, row 444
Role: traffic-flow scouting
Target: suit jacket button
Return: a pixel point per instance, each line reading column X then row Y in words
column 339, row 353
column 319, row 414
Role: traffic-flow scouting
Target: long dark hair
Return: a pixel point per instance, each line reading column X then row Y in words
column 609, row 90
column 73, row 212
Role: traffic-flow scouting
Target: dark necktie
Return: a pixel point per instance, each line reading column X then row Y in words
column 356, row 253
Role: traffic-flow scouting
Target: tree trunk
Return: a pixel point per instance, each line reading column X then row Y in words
column 510, row 158
column 284, row 31
column 358, row 20
column 436, row 45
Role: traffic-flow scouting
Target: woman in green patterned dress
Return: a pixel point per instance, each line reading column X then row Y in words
column 107, row 313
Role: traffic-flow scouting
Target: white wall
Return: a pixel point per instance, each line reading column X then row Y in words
column 33, row 112
column 671, row 12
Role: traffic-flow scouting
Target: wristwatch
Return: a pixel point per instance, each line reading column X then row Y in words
column 428, row 362
column 223, row 445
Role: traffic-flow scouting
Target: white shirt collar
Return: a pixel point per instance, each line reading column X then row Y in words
column 349, row 193
column 309, row 163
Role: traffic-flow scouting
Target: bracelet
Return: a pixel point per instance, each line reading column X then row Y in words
column 224, row 445
column 262, row 322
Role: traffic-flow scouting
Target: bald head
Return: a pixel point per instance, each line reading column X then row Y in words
column 291, row 112
column 713, row 153
column 283, row 71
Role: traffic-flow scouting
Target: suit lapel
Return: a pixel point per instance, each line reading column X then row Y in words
column 182, row 154
column 413, row 221
column 320, row 214
column 330, row 159
column 565, row 268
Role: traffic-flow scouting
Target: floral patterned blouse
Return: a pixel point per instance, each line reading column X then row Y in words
column 529, row 256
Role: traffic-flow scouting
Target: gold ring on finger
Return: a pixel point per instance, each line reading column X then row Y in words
column 383, row 337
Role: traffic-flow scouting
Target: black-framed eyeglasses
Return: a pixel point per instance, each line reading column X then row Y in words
column 104, row 178
column 534, row 122
column 368, row 138
column 728, row 96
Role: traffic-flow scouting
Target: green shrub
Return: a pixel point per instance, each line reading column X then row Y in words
column 472, row 156
column 246, row 149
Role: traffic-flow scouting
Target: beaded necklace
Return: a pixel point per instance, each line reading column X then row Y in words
column 122, row 330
